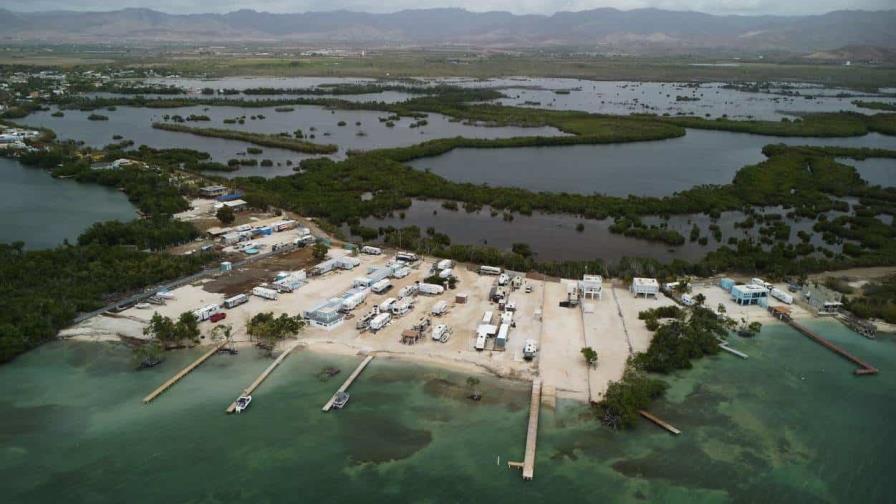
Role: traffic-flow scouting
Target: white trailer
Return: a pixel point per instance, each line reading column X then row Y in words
column 235, row 301
column 441, row 333
column 760, row 282
column 204, row 313
column 265, row 293
column 348, row 262
column 362, row 282
column 507, row 318
column 501, row 339
column 446, row 273
column 487, row 317
column 407, row 291
column 489, row 270
column 381, row 286
column 781, row 296
column 440, row 308
column 401, row 272
column 503, row 279
column 352, row 302
column 430, row 289
column 444, row 264
column 406, row 257
column 401, row 307
column 379, row 322
column 371, row 250
column 480, row 342
column 386, row 305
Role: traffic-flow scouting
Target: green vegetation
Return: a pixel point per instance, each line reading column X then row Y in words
column 875, row 300
column 590, row 356
column 691, row 335
column 624, row 398
column 225, row 215
column 875, row 105
column 268, row 331
column 45, row 289
column 151, row 234
column 842, row 124
column 262, row 139
column 97, row 117
column 172, row 334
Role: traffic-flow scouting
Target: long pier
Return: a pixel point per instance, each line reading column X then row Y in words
column 183, row 372
column 528, row 463
column 863, row 369
column 659, row 422
column 733, row 351
column 348, row 382
column 264, row 374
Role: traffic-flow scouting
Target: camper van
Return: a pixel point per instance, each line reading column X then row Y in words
column 265, row 293
column 235, row 301
column 440, row 308
column 503, row 279
column 407, row 291
column 379, row 322
column 371, row 250
column 381, row 286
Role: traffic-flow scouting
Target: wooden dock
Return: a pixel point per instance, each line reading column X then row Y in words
column 348, row 382
column 733, row 351
column 532, row 433
column 863, row 369
column 270, row 369
column 659, row 422
column 183, row 372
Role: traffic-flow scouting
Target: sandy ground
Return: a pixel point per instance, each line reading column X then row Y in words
column 609, row 325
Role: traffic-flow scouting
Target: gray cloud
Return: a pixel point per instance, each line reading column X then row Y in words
column 754, row 7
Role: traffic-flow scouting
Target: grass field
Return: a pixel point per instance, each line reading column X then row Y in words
column 434, row 63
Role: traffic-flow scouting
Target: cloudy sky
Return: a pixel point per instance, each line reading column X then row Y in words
column 516, row 6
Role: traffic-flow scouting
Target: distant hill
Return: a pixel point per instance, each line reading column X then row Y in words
column 640, row 30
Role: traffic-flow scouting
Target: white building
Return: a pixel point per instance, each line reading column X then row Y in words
column 591, row 286
column 645, row 287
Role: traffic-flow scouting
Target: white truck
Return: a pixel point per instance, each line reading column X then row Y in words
column 430, row 289
column 265, row 293
column 381, row 286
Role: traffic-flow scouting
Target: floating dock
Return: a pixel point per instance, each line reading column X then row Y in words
column 528, row 463
column 270, row 369
column 659, row 422
column 863, row 369
column 183, row 372
column 348, row 382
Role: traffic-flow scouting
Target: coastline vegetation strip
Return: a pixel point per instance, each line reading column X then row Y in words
column 875, row 105
column 837, row 124
column 262, row 139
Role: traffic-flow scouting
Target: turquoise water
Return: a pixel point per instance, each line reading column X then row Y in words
column 790, row 424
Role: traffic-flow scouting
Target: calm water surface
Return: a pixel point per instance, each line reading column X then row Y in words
column 656, row 168
column 42, row 211
column 790, row 424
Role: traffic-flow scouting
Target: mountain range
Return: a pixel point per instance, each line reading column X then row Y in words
column 606, row 28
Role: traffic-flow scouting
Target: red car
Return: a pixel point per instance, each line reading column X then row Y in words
column 217, row 317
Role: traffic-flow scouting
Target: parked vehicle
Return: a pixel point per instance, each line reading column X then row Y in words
column 444, row 264
column 489, row 270
column 386, row 305
column 265, row 293
column 371, row 250
column 530, row 349
column 441, row 333
column 407, row 291
column 379, row 322
column 217, row 317
column 440, row 308
column 430, row 289
column 204, row 313
column 381, row 286
column 235, row 301
column 401, row 272
column 503, row 279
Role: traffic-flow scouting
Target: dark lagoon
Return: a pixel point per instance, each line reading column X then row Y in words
column 656, row 168
column 42, row 211
column 554, row 236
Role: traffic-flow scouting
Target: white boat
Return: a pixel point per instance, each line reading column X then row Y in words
column 142, row 306
column 340, row 400
column 242, row 403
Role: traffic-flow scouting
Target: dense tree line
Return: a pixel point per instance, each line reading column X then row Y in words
column 45, row 289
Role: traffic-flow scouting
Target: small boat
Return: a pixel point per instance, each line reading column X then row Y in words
column 142, row 306
column 243, row 403
column 340, row 400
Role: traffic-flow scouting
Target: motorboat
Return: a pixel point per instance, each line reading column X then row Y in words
column 340, row 400
column 242, row 403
